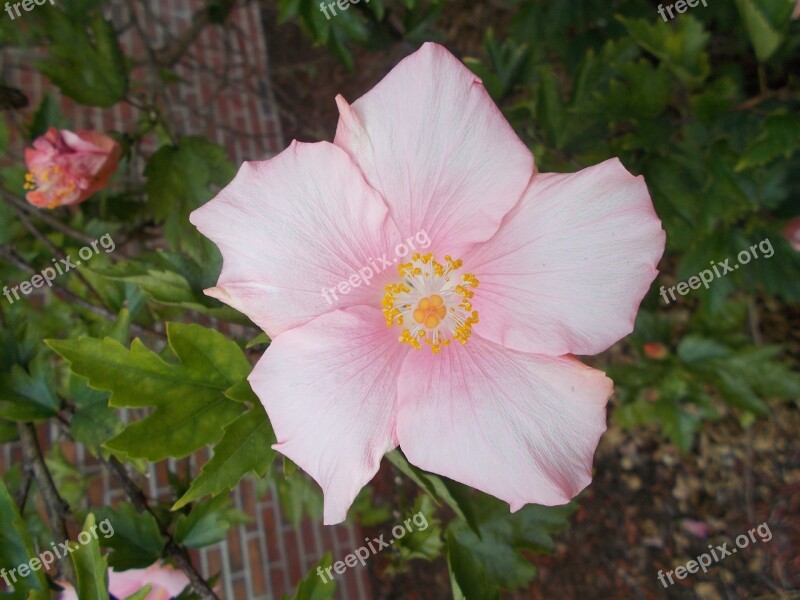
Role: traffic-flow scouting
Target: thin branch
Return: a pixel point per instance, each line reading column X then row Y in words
column 141, row 503
column 137, row 329
column 26, row 222
column 21, row 497
column 783, row 94
column 754, row 320
column 47, row 219
column 172, row 548
column 57, row 508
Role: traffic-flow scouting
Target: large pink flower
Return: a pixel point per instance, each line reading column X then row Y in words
column 522, row 270
column 66, row 168
column 165, row 581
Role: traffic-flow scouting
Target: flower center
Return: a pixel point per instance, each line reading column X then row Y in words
column 431, row 303
column 50, row 180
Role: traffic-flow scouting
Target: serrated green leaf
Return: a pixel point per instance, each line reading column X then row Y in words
column 207, row 523
column 246, row 446
column 189, row 396
column 28, row 396
column 134, row 537
column 486, row 562
column 681, row 47
column 84, row 59
column 179, row 179
column 780, row 138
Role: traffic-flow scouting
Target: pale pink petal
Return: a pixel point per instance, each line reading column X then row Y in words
column 296, row 225
column 521, row 427
column 329, row 388
column 69, row 592
column 570, row 264
column 166, row 582
column 85, row 141
column 430, row 139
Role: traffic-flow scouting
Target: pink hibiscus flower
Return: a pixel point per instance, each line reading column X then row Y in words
column 460, row 356
column 165, row 581
column 66, row 168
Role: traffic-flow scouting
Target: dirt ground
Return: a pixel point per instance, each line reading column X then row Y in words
column 649, row 508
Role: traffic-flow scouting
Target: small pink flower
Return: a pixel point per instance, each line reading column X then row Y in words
column 792, row 233
column 66, row 168
column 165, row 581
column 518, row 271
column 796, row 13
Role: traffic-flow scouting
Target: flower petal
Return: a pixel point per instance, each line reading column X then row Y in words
column 430, row 139
column 167, row 582
column 291, row 228
column 329, row 388
column 570, row 264
column 521, row 427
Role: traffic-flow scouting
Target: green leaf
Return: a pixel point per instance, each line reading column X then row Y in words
column 299, row 496
column 47, row 115
column 677, row 423
column 313, row 587
column 424, row 541
column 681, row 47
column 189, row 396
column 738, row 392
column 90, row 566
column 179, row 179
column 93, row 422
column 246, row 446
column 16, row 547
column 437, row 487
column 764, row 21
column 779, row 138
column 207, row 523
column 84, row 59
column 483, row 563
column 141, row 594
column 134, row 537
column 28, row 396
column 695, row 349
column 551, row 111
